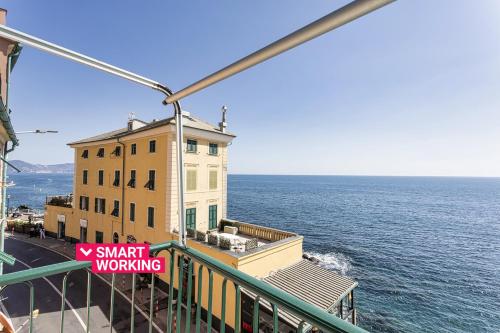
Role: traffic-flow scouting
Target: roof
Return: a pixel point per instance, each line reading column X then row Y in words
column 189, row 121
column 311, row 283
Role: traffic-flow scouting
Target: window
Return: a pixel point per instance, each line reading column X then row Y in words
column 116, row 181
column 99, row 237
column 100, row 205
column 192, row 146
column 151, row 217
column 133, row 149
column 85, row 177
column 84, row 203
column 150, row 185
column 191, row 180
column 152, row 146
column 212, row 217
column 132, row 212
column 191, row 218
column 101, row 177
column 212, row 180
column 116, row 208
column 85, row 153
column 131, row 182
column 117, row 151
column 100, row 152
column 213, row 149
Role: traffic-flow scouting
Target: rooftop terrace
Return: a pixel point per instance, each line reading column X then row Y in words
column 240, row 238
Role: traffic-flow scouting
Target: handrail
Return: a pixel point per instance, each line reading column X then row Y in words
column 307, row 312
column 43, row 271
column 279, row 299
column 262, row 232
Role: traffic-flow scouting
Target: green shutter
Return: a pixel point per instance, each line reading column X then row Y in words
column 212, row 217
column 191, row 218
column 98, row 237
column 151, row 217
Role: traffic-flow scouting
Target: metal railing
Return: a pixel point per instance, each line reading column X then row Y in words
column 208, row 270
column 258, row 231
column 60, row 200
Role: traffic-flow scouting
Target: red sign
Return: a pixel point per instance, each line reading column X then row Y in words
column 120, row 258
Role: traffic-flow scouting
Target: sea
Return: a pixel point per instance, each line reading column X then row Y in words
column 424, row 250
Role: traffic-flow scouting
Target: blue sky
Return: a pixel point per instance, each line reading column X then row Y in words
column 411, row 89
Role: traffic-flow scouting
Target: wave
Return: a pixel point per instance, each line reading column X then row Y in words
column 333, row 261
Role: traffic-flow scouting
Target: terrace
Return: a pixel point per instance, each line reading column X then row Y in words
column 238, row 238
column 60, row 200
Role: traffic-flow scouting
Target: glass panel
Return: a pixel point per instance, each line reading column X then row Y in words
column 192, row 146
column 101, row 177
column 151, row 217
column 213, row 149
column 132, row 211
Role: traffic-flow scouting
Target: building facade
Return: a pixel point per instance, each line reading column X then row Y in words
column 125, row 185
column 125, row 191
column 9, row 52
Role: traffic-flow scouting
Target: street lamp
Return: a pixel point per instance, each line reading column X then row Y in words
column 37, row 131
column 4, row 206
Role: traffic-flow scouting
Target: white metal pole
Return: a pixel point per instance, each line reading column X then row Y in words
column 21, row 37
column 325, row 24
column 179, row 136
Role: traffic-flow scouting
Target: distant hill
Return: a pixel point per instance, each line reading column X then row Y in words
column 26, row 167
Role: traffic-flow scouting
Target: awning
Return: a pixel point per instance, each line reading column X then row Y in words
column 312, row 284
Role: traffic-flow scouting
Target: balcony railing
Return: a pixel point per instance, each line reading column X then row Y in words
column 207, row 270
column 256, row 231
column 59, row 200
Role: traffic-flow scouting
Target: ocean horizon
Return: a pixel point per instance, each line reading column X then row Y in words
column 425, row 250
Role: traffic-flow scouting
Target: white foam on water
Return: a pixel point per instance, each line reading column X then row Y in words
column 332, row 261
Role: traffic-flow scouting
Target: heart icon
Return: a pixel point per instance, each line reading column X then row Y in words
column 85, row 253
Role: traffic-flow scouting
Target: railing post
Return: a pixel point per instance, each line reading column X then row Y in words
column 63, row 301
column 237, row 310
column 89, row 284
column 255, row 322
column 222, row 328
column 151, row 303
column 198, row 305
column 170, row 291
column 210, row 295
column 32, row 302
column 179, row 293
column 112, row 302
column 189, row 295
column 132, row 305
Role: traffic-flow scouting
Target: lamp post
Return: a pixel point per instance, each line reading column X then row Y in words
column 37, row 131
column 6, row 198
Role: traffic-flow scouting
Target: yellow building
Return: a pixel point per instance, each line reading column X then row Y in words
column 125, row 190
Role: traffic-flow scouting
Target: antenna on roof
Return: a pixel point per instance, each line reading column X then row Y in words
column 131, row 116
column 223, row 124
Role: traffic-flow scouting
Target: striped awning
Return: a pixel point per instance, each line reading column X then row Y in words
column 311, row 283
